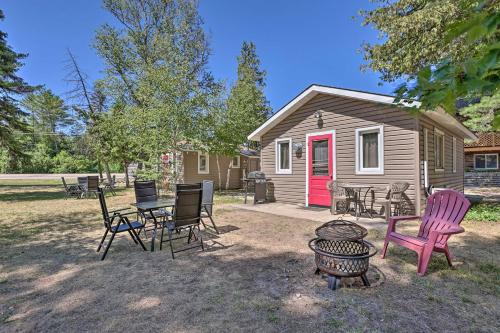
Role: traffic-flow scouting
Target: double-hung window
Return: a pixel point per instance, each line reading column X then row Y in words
column 485, row 161
column 438, row 150
column 203, row 163
column 284, row 156
column 370, row 150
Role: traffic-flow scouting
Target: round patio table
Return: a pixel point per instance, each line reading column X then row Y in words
column 359, row 205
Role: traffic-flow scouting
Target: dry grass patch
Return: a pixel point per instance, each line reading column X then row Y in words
column 256, row 276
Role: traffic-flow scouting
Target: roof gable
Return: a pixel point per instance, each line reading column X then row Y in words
column 439, row 116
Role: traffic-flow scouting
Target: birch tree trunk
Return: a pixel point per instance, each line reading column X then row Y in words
column 125, row 168
column 219, row 173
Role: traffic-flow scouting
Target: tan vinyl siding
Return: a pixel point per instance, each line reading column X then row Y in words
column 446, row 178
column 344, row 115
column 191, row 174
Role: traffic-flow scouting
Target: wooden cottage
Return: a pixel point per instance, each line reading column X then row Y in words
column 358, row 137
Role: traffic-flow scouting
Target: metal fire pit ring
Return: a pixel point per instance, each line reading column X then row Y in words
column 344, row 258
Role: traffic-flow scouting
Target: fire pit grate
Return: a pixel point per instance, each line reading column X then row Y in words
column 340, row 251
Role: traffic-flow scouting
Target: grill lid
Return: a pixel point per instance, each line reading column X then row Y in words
column 339, row 230
column 256, row 175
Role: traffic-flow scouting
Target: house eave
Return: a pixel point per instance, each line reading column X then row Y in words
column 445, row 119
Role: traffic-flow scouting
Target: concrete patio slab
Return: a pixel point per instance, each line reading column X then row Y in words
column 317, row 214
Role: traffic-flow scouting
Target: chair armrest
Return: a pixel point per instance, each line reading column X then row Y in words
column 394, row 219
column 404, row 218
column 450, row 231
column 118, row 210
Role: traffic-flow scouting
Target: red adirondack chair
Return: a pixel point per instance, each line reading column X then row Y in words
column 443, row 214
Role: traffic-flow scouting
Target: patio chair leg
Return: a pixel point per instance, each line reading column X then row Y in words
column 138, row 238
column 213, row 223
column 161, row 237
column 448, row 256
column 170, row 241
column 201, row 238
column 384, row 249
column 133, row 238
column 102, row 240
column 109, row 244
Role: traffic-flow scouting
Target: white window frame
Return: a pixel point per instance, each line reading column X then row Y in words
column 436, row 133
column 454, row 155
column 207, row 157
column 426, row 144
column 237, row 166
column 370, row 171
column 485, row 168
column 277, row 159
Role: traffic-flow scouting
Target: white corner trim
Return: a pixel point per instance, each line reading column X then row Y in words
column 334, row 158
column 359, row 170
column 454, row 154
column 207, row 171
column 277, row 156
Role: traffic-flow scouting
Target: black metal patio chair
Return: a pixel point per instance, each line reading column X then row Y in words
column 207, row 203
column 92, row 185
column 83, row 183
column 186, row 216
column 110, row 186
column 72, row 190
column 117, row 221
column 145, row 191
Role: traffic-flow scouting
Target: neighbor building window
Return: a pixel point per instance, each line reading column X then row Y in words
column 438, row 150
column 370, row 150
column 203, row 163
column 454, row 154
column 284, row 156
column 485, row 161
column 235, row 163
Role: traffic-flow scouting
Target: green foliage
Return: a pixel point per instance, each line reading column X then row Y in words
column 447, row 50
column 479, row 116
column 247, row 107
column 11, row 87
column 64, row 162
column 484, row 212
column 414, row 35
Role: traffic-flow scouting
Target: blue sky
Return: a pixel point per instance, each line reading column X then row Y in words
column 299, row 42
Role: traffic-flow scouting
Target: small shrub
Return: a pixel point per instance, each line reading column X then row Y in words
column 484, row 212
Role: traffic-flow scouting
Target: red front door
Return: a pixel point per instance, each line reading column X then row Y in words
column 320, row 151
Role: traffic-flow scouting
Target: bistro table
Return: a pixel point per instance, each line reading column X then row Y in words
column 151, row 206
column 359, row 205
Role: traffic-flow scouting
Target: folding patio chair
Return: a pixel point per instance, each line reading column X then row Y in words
column 121, row 224
column 83, row 183
column 92, row 185
column 186, row 215
column 145, row 190
column 207, row 203
column 72, row 190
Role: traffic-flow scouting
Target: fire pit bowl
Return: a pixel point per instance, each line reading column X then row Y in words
column 340, row 251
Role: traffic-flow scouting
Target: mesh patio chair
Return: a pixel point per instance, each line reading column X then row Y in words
column 71, row 190
column 83, row 183
column 339, row 194
column 394, row 197
column 110, row 186
column 117, row 221
column 145, row 191
column 186, row 216
column 92, row 185
column 208, row 203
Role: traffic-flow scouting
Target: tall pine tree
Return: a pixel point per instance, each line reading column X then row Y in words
column 11, row 88
column 247, row 106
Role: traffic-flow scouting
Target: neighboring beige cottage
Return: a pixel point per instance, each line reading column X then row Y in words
column 358, row 137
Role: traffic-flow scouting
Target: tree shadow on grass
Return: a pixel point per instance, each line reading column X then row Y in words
column 59, row 284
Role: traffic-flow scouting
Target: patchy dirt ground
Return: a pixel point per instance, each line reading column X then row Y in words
column 257, row 276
